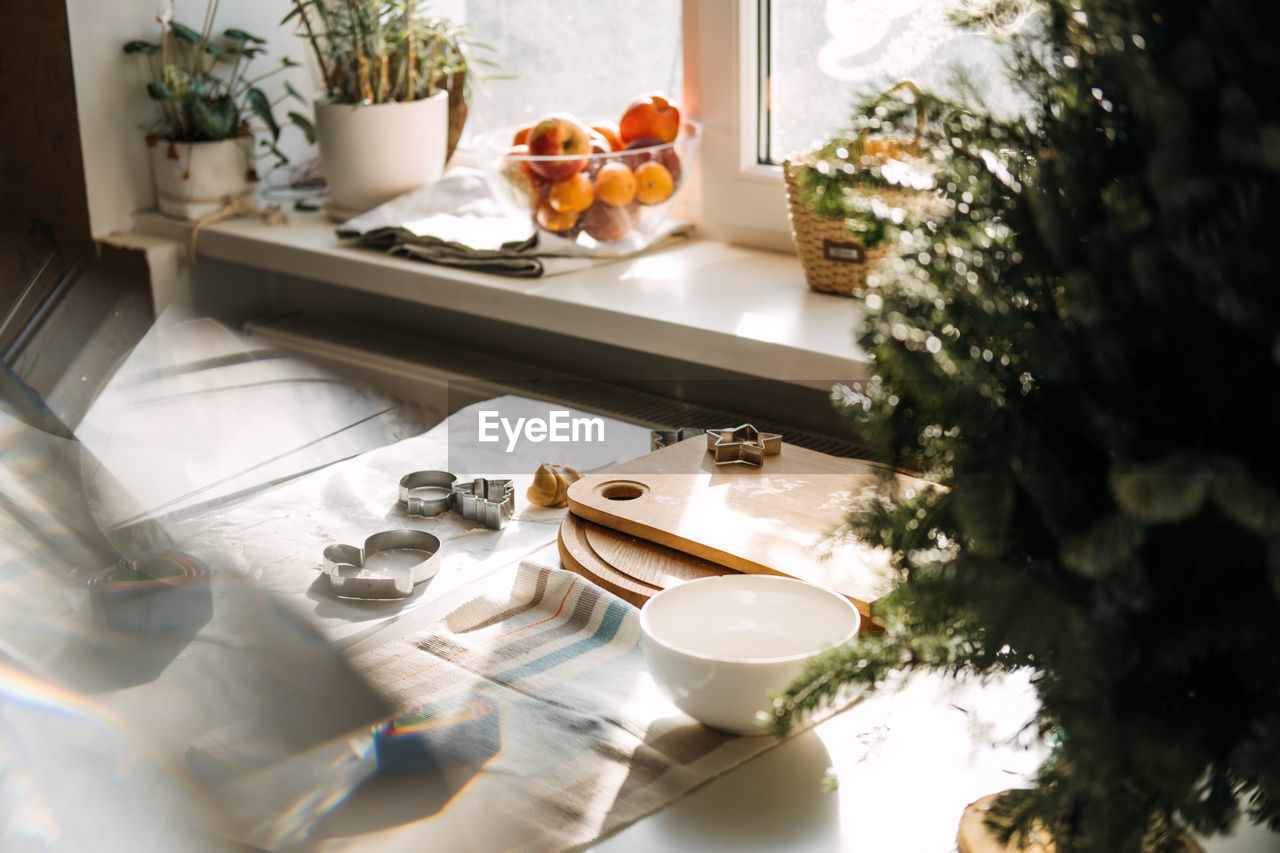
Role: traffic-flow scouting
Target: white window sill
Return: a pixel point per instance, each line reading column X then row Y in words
column 700, row 301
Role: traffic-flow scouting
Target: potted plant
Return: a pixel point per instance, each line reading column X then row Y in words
column 394, row 98
column 202, row 152
column 1082, row 350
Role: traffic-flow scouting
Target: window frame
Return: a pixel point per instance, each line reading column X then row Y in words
column 739, row 199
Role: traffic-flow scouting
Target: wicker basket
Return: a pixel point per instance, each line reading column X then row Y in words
column 833, row 261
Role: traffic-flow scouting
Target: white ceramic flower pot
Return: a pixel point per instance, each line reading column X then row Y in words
column 375, row 152
column 195, row 179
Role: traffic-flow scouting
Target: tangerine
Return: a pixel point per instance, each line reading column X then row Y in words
column 572, row 195
column 609, row 130
column 615, row 184
column 654, row 183
column 554, row 220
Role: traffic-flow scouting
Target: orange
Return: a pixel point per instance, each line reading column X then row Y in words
column 654, row 183
column 609, row 130
column 555, row 220
column 615, row 184
column 572, row 195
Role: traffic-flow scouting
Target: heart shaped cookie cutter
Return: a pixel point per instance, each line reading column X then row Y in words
column 390, row 564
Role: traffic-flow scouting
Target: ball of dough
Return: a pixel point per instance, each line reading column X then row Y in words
column 551, row 485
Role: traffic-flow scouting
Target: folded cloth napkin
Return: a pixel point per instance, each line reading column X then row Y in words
column 457, row 222
column 583, row 743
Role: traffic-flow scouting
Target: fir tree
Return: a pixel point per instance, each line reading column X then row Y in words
column 1084, row 353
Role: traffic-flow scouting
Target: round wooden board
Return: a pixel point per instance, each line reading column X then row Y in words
column 647, row 562
column 621, row 554
column 973, row 836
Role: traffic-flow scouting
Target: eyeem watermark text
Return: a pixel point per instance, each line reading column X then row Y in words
column 558, row 427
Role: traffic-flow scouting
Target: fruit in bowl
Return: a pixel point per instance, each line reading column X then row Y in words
column 650, row 117
column 586, row 181
column 558, row 145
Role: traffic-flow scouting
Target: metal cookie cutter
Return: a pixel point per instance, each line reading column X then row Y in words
column 426, row 507
column 489, row 502
column 660, row 438
column 390, row 564
column 744, row 444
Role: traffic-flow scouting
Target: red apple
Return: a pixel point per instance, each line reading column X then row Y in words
column 607, row 223
column 640, row 155
column 559, row 135
column 650, row 116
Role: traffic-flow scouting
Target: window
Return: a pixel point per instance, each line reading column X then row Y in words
column 825, row 55
column 768, row 79
column 740, row 198
column 580, row 56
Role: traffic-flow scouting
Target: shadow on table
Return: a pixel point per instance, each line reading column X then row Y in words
column 391, row 800
column 784, row 800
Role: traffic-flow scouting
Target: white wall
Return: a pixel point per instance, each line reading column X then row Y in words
column 113, row 106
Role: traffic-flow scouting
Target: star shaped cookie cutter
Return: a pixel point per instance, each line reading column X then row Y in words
column 742, row 445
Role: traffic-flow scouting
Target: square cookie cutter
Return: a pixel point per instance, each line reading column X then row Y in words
column 407, row 558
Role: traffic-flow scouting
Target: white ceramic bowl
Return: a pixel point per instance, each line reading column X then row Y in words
column 718, row 646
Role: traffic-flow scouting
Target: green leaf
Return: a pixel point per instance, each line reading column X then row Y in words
column 280, row 158
column 288, row 62
column 215, row 51
column 304, row 123
column 1105, row 546
column 139, row 46
column 241, row 35
column 293, row 13
column 185, row 33
column 1169, row 490
column 985, row 506
column 288, row 87
column 261, row 105
column 216, row 119
column 158, row 90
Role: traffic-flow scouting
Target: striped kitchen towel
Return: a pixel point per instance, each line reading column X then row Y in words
column 578, row 741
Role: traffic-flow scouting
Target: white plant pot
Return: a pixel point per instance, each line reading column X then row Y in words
column 195, row 179
column 375, row 152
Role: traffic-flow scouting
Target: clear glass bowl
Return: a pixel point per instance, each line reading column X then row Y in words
column 523, row 184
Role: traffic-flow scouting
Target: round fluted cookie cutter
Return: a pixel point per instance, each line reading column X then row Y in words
column 402, row 559
column 426, row 507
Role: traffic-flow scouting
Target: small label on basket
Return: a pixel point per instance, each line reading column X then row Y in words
column 850, row 252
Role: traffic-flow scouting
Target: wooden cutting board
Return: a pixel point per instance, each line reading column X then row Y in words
column 769, row 520
column 629, row 567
